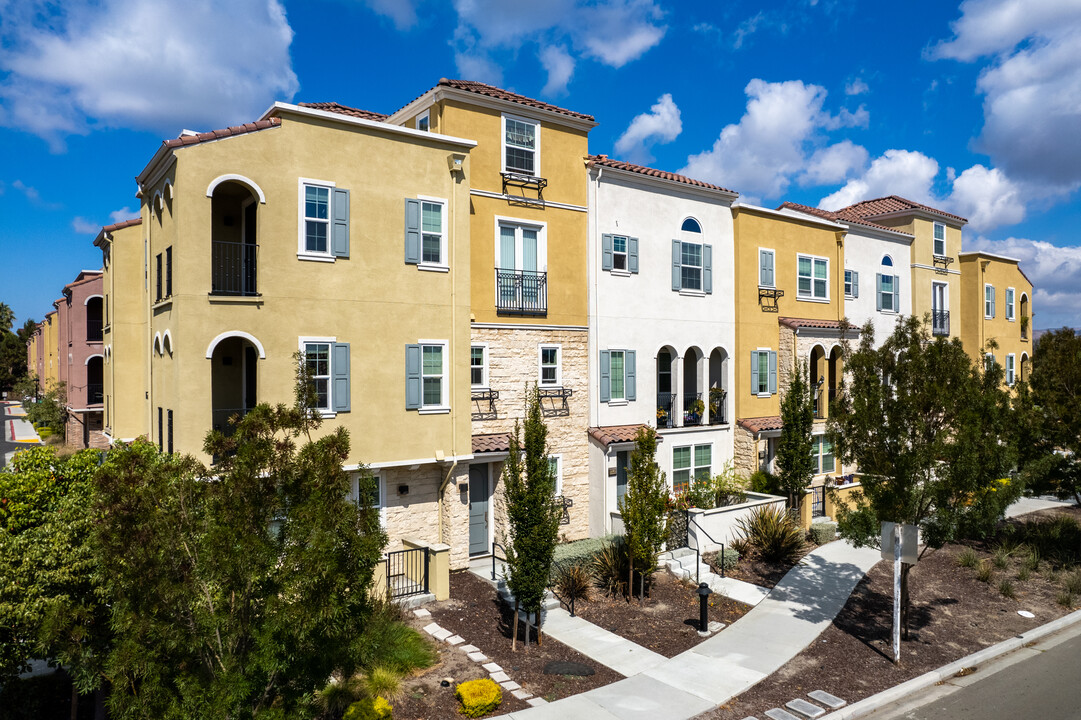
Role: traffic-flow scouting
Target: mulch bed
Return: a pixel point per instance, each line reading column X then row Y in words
column 476, row 613
column 952, row 615
column 668, row 621
column 753, row 569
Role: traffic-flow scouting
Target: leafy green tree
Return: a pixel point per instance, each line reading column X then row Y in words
column 7, row 317
column 1051, row 410
column 795, row 464
column 235, row 591
column 931, row 433
column 644, row 508
column 51, row 408
column 532, row 514
column 51, row 600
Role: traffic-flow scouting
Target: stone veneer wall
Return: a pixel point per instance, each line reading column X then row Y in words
column 513, row 362
column 416, row 514
column 744, row 454
column 786, row 358
column 73, row 433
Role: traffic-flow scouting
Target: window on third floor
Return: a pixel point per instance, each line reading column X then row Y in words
column 940, row 239
column 521, row 145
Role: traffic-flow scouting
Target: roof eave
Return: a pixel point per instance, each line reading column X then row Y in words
column 444, row 92
column 728, row 195
column 278, row 108
column 925, row 213
column 741, row 205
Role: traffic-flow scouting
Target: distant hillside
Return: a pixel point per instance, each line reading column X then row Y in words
column 1037, row 333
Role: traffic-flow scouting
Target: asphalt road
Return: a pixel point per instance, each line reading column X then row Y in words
column 6, row 445
column 1043, row 683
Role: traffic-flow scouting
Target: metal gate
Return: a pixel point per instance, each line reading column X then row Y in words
column 407, row 572
column 818, row 501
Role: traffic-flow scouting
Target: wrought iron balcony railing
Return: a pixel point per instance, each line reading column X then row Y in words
column 521, row 292
column 234, row 268
column 940, row 322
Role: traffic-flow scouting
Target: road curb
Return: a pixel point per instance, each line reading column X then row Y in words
column 868, row 705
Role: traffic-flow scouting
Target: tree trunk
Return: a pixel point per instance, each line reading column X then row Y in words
column 538, row 617
column 74, row 701
column 514, row 631
column 527, row 631
column 630, row 575
column 99, row 704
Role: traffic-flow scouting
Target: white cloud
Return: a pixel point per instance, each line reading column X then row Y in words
column 85, row 227
column 662, row 124
column 897, row 172
column 857, row 87
column 97, row 64
column 124, row 213
column 613, row 32
column 403, row 13
column 987, row 198
column 34, row 196
column 747, row 28
column 1055, row 273
column 1031, row 85
column 834, row 163
column 560, row 66
column 783, row 124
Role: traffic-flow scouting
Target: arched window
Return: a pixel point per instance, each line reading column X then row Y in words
column 691, row 225
column 887, row 290
column 887, row 261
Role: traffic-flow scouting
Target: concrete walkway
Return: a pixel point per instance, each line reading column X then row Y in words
column 798, row 609
column 1032, row 504
column 618, row 653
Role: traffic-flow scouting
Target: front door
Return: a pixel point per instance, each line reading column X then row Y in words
column 478, row 509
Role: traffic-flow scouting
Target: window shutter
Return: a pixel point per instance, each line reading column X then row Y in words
column 339, row 244
column 632, row 254
column 772, row 372
column 340, row 364
column 896, row 293
column 606, row 252
column 677, row 275
column 606, row 379
column 754, row 372
column 412, row 377
column 412, row 232
column 855, row 284
column 630, row 384
column 765, row 269
column 878, row 292
column 992, row 301
column 707, row 268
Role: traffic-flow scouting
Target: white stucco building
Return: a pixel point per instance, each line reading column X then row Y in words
column 661, row 326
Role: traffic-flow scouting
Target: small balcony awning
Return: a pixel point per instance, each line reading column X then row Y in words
column 757, row 425
column 616, row 434
column 491, row 443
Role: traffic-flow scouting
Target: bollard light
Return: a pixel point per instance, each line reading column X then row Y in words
column 703, row 598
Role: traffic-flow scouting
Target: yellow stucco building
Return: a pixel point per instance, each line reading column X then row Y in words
column 996, row 306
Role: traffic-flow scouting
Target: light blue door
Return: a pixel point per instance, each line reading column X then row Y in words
column 478, row 509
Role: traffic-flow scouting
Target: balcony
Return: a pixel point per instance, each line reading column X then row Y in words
column 717, row 404
column 234, row 268
column 93, row 330
column 940, row 322
column 693, row 409
column 521, row 292
column 664, row 410
column 222, row 416
column 94, row 393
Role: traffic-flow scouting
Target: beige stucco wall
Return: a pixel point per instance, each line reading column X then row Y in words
column 977, row 270
column 125, row 335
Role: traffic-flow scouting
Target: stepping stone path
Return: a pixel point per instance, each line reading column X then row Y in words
column 801, row 709
column 494, row 669
column 805, row 708
column 831, row 701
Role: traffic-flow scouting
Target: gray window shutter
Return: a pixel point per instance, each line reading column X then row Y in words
column 707, row 268
column 754, row 372
column 412, row 377
column 878, row 292
column 606, row 379
column 630, row 384
column 896, row 293
column 606, row 252
column 772, row 372
column 632, row 254
column 765, row 269
column 340, row 365
column 677, row 258
column 339, row 242
column 992, row 301
column 412, row 232
column 855, row 284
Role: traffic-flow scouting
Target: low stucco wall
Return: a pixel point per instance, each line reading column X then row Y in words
column 708, row 529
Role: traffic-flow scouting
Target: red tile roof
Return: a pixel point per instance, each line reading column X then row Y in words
column 796, row 323
column 121, row 225
column 491, row 443
column 832, row 216
column 197, row 138
column 605, row 161
column 759, row 424
column 890, row 204
column 500, row 94
column 345, row 110
column 615, row 433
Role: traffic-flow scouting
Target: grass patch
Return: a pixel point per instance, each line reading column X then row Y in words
column 985, row 571
column 389, row 643
column 1005, row 587
column 1001, row 558
column 968, row 558
column 1023, row 574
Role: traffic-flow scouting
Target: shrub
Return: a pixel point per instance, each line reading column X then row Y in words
column 611, row 565
column 1031, row 561
column 478, row 697
column 380, row 681
column 763, row 481
column 1001, row 558
column 713, row 559
column 1023, row 574
column 337, row 696
column 822, row 533
column 1072, row 583
column 368, row 709
column 773, row 531
column 985, row 571
column 1006, row 588
column 579, row 551
column 1065, row 599
column 740, row 545
column 968, row 558
column 573, row 582
column 389, row 643
column 1057, row 540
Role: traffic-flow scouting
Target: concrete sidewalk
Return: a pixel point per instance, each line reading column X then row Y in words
column 798, row 609
column 1031, row 504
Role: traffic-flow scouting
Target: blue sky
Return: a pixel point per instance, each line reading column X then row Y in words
column 974, row 108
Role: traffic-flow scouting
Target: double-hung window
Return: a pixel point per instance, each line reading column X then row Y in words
column 852, row 284
column 432, row 374
column 940, row 239
column 691, row 266
column 619, row 254
column 316, row 219
column 887, row 290
column 324, row 221
column 327, row 364
column 812, row 280
column 765, row 268
column 424, row 121
column 432, row 233
column 426, row 387
column 1010, row 304
column 1010, row 373
column 692, row 260
column 822, row 454
column 555, row 466
column 618, row 375
column 551, row 374
column 690, row 462
column 478, row 366
column 763, row 372
column 367, row 490
column 521, row 144
column 158, row 278
column 988, row 301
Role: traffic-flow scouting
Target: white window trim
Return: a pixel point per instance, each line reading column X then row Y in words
column 693, row 467
column 816, row 449
column 444, row 403
column 381, row 481
column 987, row 316
column 485, row 380
column 1011, row 369
column 811, row 297
column 304, row 340
column 625, row 270
column 945, row 295
column 847, row 283
column 426, row 115
column 559, row 364
column 892, row 293
column 541, row 227
column 302, row 251
column 536, row 143
column 698, row 239
column 444, row 265
column 611, row 399
column 559, row 472
column 767, row 393
column 1011, row 309
column 772, row 252
column 943, row 226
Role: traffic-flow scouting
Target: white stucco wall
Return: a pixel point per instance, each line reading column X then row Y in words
column 641, row 312
column 864, row 250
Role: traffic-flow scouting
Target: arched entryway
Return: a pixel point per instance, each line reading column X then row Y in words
column 233, row 379
column 234, row 230
column 717, row 407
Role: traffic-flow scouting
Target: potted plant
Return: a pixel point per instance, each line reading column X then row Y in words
column 1024, row 326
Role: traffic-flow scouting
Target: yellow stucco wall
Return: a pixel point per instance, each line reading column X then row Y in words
column 756, row 328
column 977, row 270
column 51, row 337
column 372, row 299
column 125, row 335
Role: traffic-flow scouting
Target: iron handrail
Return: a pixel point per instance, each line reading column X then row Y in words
column 504, row 558
column 698, row 551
